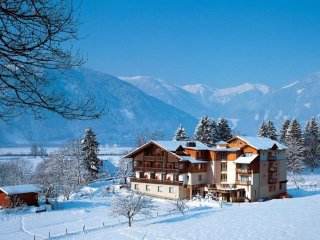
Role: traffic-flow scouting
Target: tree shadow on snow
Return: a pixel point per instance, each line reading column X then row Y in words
column 297, row 193
column 74, row 204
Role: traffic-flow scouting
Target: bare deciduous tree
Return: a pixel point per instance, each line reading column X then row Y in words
column 180, row 205
column 130, row 204
column 15, row 172
column 124, row 169
column 147, row 135
column 36, row 37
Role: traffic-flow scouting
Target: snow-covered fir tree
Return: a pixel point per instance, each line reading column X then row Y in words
column 267, row 129
column 180, row 134
column 90, row 148
column 295, row 149
column 206, row 132
column 283, row 131
column 223, row 130
column 312, row 144
column 263, row 130
column 272, row 131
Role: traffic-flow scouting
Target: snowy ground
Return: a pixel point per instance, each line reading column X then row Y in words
column 296, row 218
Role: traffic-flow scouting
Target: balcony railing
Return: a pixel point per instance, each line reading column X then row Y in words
column 245, row 171
column 154, row 158
column 272, row 158
column 246, row 183
column 272, row 180
column 152, row 169
column 272, row 169
column 157, row 181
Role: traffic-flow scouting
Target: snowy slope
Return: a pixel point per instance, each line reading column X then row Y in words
column 128, row 111
column 89, row 209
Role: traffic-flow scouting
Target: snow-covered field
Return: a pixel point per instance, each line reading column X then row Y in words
column 89, row 209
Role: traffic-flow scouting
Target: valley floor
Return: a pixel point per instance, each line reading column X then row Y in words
column 296, row 218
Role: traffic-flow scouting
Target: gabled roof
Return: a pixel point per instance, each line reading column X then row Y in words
column 246, row 159
column 18, row 189
column 261, row 143
column 170, row 146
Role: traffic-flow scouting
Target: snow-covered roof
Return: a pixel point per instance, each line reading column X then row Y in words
column 246, row 159
column 221, row 142
column 18, row 189
column 192, row 160
column 173, row 145
column 225, row 149
column 262, row 143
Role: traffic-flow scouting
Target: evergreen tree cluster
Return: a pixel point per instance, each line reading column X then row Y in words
column 267, row 129
column 303, row 148
column 207, row 131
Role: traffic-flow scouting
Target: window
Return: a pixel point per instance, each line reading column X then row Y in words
column 171, row 190
column 248, row 154
column 148, row 188
column 223, row 167
column 223, row 156
column 136, row 187
column 244, row 166
column 224, row 177
column 159, row 188
column 175, row 178
column 244, row 178
column 176, row 165
column 199, row 178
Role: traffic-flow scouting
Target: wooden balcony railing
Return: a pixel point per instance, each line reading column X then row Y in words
column 152, row 169
column 272, row 180
column 245, row 171
column 156, row 181
column 272, row 169
column 154, row 158
column 247, row 183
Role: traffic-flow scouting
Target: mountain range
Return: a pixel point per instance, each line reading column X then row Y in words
column 136, row 104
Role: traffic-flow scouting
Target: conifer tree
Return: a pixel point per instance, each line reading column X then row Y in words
column 205, row 131
column 272, row 131
column 263, row 131
column 180, row 134
column 283, row 131
column 90, row 148
column 295, row 149
column 268, row 130
column 312, row 144
column 223, row 130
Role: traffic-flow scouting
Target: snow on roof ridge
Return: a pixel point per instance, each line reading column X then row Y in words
column 262, row 143
column 17, row 189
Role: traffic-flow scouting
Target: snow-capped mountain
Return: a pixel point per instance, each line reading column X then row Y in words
column 245, row 105
column 128, row 111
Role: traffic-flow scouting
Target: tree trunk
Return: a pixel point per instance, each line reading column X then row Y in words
column 130, row 220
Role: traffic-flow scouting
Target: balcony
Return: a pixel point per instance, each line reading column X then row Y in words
column 154, row 158
column 152, row 169
column 272, row 169
column 244, row 171
column 272, row 180
column 246, row 183
column 272, row 158
column 156, row 181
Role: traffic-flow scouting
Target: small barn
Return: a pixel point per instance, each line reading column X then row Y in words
column 28, row 194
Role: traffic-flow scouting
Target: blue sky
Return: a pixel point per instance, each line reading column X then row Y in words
column 220, row 43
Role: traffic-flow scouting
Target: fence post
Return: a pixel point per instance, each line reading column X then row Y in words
column 66, row 231
column 103, row 224
column 34, row 237
column 83, row 228
column 49, row 235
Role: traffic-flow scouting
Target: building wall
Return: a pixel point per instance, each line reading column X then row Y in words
column 31, row 199
column 177, row 191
